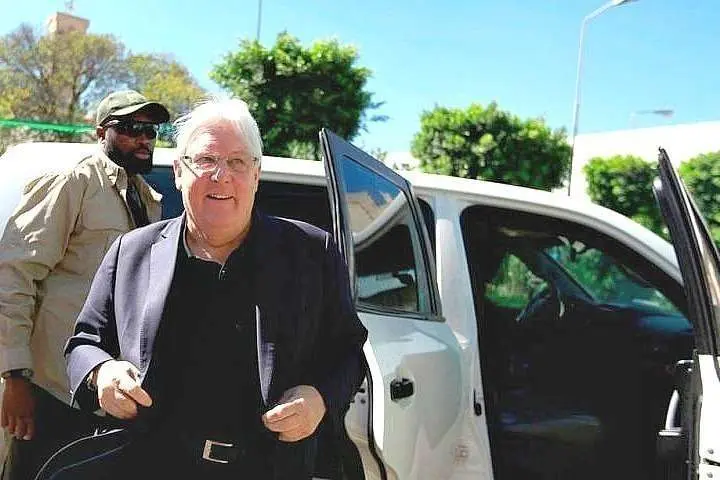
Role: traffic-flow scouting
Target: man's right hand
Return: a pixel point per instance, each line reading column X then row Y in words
column 18, row 408
column 119, row 390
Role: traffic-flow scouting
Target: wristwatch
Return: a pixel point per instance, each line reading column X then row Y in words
column 18, row 373
column 90, row 380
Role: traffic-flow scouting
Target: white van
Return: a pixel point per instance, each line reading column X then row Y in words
column 522, row 334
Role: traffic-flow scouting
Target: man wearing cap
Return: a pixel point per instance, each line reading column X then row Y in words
column 52, row 246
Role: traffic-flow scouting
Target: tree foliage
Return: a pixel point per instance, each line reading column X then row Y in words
column 701, row 174
column 161, row 78
column 57, row 77
column 293, row 91
column 624, row 183
column 491, row 144
column 60, row 78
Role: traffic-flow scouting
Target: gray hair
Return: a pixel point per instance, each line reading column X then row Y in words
column 233, row 111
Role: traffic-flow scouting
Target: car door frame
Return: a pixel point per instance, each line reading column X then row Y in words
column 334, row 147
column 340, row 213
column 696, row 401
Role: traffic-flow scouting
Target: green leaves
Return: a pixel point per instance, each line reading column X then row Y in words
column 56, row 77
column 624, row 184
column 60, row 78
column 701, row 174
column 491, row 144
column 161, row 78
column 294, row 91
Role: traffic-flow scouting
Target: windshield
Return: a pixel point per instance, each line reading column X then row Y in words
column 607, row 280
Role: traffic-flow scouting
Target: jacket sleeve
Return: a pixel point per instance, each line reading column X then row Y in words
column 94, row 340
column 34, row 242
column 341, row 361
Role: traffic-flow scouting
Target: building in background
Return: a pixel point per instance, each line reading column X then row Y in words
column 63, row 22
column 682, row 142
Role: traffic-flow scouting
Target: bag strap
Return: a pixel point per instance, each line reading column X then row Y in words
column 57, row 465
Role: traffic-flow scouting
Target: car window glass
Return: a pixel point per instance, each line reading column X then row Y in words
column 514, row 284
column 608, row 280
column 386, row 240
column 429, row 218
column 162, row 180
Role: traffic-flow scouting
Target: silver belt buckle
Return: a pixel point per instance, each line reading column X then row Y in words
column 207, row 451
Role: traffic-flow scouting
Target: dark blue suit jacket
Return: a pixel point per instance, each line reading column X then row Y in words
column 308, row 331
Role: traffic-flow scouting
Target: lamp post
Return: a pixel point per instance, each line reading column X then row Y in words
column 259, row 21
column 610, row 4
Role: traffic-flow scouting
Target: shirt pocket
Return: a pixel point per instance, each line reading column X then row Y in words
column 104, row 213
column 99, row 225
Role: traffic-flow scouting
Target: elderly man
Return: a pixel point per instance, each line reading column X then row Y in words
column 228, row 334
column 52, row 245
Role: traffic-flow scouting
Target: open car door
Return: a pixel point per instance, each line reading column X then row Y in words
column 690, row 442
column 403, row 419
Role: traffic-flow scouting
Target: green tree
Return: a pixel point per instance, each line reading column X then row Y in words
column 701, row 174
column 624, row 183
column 293, row 91
column 491, row 144
column 162, row 78
column 58, row 77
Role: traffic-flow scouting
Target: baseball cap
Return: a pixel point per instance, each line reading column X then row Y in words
column 127, row 102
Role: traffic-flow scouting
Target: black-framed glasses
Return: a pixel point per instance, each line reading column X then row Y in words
column 132, row 128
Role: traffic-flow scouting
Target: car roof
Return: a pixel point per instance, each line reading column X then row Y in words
column 47, row 156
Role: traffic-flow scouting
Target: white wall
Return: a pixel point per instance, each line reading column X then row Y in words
column 682, row 142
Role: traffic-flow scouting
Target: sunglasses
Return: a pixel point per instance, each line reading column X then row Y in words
column 134, row 129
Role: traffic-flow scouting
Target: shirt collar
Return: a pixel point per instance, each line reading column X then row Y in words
column 242, row 249
column 115, row 172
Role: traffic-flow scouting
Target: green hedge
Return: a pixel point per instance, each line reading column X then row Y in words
column 702, row 177
column 624, row 183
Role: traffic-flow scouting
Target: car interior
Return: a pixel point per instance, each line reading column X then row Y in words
column 578, row 337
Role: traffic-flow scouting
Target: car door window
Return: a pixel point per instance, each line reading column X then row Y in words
column 162, row 180
column 607, row 279
column 386, row 242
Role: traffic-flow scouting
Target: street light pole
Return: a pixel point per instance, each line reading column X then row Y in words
column 259, row 21
column 576, row 110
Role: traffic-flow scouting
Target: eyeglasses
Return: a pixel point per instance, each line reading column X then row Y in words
column 202, row 164
column 134, row 129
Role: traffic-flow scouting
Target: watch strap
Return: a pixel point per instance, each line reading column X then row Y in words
column 18, row 373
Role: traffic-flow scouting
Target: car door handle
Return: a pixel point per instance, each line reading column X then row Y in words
column 401, row 388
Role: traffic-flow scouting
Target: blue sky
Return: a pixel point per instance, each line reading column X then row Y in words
column 647, row 54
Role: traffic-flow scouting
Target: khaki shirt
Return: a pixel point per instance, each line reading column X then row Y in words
column 52, row 246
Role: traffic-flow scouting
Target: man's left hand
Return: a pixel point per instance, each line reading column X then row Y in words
column 297, row 414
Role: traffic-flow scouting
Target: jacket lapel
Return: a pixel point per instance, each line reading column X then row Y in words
column 163, row 255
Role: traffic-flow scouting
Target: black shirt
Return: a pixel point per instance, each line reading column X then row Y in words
column 204, row 373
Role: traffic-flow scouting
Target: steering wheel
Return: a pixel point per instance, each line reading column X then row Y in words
column 546, row 306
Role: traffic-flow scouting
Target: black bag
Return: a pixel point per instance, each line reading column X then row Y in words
column 93, row 457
